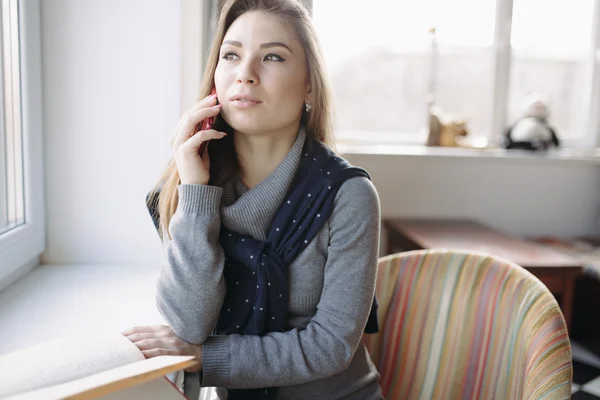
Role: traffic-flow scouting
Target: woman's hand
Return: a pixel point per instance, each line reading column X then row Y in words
column 160, row 340
column 185, row 142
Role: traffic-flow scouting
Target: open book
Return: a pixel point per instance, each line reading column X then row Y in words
column 103, row 365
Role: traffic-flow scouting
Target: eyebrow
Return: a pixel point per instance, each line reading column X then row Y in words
column 262, row 46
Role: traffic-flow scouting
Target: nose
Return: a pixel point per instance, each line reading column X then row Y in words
column 247, row 73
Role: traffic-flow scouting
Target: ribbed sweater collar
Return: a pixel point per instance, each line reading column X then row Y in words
column 251, row 211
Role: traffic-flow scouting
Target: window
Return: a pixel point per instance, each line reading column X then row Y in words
column 21, row 176
column 12, row 211
column 551, row 58
column 379, row 57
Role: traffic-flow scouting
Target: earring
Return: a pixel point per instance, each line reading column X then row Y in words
column 308, row 106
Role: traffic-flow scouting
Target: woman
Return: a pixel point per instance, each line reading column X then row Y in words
column 272, row 240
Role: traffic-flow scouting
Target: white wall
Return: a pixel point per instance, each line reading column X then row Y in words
column 112, row 97
column 518, row 196
column 111, row 73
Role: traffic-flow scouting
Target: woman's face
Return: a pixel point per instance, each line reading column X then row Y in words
column 261, row 77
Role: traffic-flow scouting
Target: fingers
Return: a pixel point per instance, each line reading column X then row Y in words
column 189, row 123
column 193, row 143
column 208, row 101
column 159, row 340
column 152, row 346
column 149, row 343
column 145, row 329
column 142, row 337
column 191, row 118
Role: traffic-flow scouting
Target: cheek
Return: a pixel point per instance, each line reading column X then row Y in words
column 222, row 84
column 220, row 81
column 289, row 94
column 225, row 76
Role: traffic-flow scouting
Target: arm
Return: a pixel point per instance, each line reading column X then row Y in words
column 328, row 343
column 191, row 286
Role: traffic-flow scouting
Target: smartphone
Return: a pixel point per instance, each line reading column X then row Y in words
column 205, row 125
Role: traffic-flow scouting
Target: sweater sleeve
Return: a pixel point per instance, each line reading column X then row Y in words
column 191, row 288
column 328, row 343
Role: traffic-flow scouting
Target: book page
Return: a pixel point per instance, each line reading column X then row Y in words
column 122, row 378
column 65, row 359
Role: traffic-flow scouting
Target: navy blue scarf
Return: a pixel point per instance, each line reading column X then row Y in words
column 256, row 272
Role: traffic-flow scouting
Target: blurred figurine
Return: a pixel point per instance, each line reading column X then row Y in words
column 532, row 131
column 446, row 130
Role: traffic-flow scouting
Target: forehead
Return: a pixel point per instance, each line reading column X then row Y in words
column 255, row 27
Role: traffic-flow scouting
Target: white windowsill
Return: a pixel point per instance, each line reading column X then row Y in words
column 589, row 156
column 53, row 300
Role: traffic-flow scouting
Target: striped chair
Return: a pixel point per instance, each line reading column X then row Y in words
column 461, row 325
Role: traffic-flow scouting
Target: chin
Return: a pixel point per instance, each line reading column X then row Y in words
column 253, row 123
column 247, row 126
column 245, row 123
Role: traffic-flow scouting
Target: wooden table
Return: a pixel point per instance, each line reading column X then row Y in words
column 556, row 270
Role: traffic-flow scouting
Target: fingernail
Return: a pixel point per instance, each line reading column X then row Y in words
column 223, row 133
column 218, row 106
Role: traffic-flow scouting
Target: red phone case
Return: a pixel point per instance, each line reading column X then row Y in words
column 206, row 125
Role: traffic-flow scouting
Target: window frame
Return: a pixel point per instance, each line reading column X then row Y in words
column 590, row 119
column 21, row 247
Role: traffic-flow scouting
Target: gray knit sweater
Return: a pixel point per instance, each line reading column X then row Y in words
column 330, row 290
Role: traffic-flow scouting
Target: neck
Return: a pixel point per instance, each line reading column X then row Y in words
column 259, row 155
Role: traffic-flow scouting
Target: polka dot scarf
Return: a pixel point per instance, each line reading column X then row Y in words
column 256, row 272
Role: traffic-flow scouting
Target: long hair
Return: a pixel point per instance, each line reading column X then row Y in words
column 164, row 196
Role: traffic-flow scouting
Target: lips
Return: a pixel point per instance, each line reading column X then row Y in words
column 244, row 98
column 244, row 101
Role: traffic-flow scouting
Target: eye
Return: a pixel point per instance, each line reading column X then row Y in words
column 229, row 56
column 274, row 57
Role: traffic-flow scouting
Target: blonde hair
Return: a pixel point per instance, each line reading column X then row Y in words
column 164, row 196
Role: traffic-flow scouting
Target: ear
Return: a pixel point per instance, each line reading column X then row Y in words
column 308, row 96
